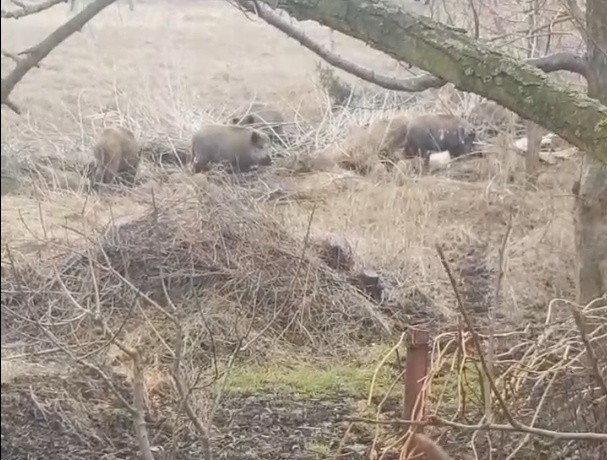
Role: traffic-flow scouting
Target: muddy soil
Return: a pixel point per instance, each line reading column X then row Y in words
column 77, row 420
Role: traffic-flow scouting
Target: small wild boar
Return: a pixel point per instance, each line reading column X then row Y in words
column 379, row 141
column 263, row 117
column 239, row 147
column 388, row 134
column 493, row 118
column 437, row 133
column 116, row 156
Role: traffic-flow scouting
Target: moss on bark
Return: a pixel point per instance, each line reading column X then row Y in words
column 472, row 66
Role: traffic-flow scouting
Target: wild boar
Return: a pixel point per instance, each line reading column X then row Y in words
column 117, row 156
column 239, row 147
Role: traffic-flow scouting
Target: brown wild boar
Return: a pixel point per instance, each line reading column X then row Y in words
column 116, row 156
column 379, row 141
column 493, row 118
column 237, row 146
column 388, row 135
column 263, row 117
column 438, row 133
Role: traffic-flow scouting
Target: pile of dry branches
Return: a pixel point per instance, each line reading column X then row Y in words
column 545, row 386
column 536, row 392
column 215, row 255
column 157, row 308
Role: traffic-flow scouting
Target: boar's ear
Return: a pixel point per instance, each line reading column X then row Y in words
column 256, row 138
column 234, row 121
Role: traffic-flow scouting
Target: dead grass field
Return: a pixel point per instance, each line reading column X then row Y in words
column 163, row 71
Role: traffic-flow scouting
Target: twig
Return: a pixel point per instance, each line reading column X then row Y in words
column 536, row 414
column 492, row 325
column 475, row 338
column 182, row 389
column 42, row 49
column 594, row 362
column 476, row 19
column 11, row 56
column 28, row 10
column 413, row 84
column 438, row 422
column 551, row 63
column 139, row 400
column 90, row 366
column 138, row 407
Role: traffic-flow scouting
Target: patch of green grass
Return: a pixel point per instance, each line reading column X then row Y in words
column 311, row 379
column 319, row 450
column 445, row 387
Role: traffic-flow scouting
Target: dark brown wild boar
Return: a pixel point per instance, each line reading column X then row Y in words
column 116, row 156
column 237, row 146
column 438, row 133
column 263, row 117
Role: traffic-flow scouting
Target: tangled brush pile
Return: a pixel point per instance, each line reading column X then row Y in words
column 213, row 255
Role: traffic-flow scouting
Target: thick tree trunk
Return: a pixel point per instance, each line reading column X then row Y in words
column 591, row 203
column 534, row 131
column 453, row 56
column 534, row 145
column 591, row 231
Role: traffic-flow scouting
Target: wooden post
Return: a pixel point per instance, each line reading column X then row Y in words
column 416, row 371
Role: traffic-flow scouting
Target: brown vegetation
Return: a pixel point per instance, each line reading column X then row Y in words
column 262, row 117
column 192, row 316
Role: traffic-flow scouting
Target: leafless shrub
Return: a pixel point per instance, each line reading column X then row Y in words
column 515, row 394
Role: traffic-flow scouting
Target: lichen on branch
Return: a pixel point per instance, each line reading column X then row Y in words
column 470, row 65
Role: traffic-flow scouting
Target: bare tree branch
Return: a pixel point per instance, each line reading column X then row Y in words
column 139, row 401
column 561, row 61
column 594, row 362
column 11, row 105
column 438, row 421
column 573, row 8
column 184, row 392
column 551, row 63
column 467, row 63
column 11, row 56
column 137, row 409
column 27, row 10
column 413, row 84
column 41, row 50
column 475, row 339
column 182, row 389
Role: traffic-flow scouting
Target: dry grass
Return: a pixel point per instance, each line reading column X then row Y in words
column 188, row 65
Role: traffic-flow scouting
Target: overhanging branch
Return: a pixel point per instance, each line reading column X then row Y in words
column 467, row 63
column 42, row 49
column 561, row 61
column 551, row 63
column 27, row 10
column 412, row 85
